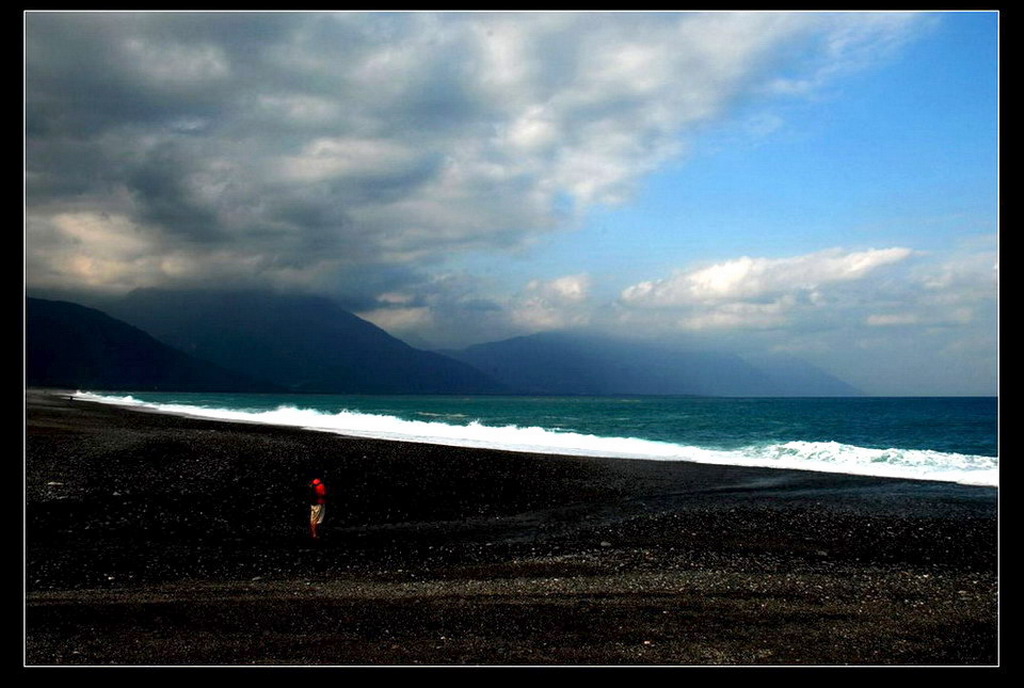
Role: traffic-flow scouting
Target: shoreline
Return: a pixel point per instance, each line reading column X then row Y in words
column 984, row 478
column 154, row 539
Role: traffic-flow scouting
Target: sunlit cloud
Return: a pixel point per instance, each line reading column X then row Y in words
column 756, row 292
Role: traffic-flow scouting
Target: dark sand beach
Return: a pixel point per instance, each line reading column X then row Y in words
column 157, row 540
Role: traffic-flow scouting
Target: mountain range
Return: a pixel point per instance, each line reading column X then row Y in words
column 303, row 344
column 71, row 346
column 590, row 364
column 258, row 341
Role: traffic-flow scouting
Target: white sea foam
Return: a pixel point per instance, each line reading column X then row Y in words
column 814, row 456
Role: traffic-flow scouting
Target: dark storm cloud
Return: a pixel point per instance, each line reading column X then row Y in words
column 157, row 182
column 357, row 153
column 253, row 128
column 89, row 73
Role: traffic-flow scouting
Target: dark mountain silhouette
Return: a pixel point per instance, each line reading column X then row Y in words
column 795, row 377
column 74, row 347
column 302, row 343
column 252, row 341
column 575, row 363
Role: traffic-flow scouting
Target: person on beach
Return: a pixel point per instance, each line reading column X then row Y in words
column 317, row 506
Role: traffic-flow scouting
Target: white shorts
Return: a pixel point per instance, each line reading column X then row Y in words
column 316, row 513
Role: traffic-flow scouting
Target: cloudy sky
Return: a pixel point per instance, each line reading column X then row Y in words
column 822, row 184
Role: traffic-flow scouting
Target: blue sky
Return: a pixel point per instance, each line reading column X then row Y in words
column 897, row 153
column 818, row 184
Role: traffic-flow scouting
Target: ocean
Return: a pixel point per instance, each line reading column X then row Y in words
column 952, row 439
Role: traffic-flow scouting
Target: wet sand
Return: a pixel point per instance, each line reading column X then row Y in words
column 155, row 540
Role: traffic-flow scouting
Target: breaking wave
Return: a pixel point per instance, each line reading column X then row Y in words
column 834, row 457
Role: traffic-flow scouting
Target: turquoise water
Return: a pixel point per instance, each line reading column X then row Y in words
column 952, row 439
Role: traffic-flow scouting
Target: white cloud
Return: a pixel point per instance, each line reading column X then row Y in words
column 740, row 315
column 456, row 310
column 402, row 320
column 340, row 157
column 892, row 319
column 172, row 63
column 93, row 249
column 570, row 289
column 553, row 304
column 748, row 294
column 752, row 279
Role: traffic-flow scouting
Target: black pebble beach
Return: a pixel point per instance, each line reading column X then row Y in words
column 157, row 540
